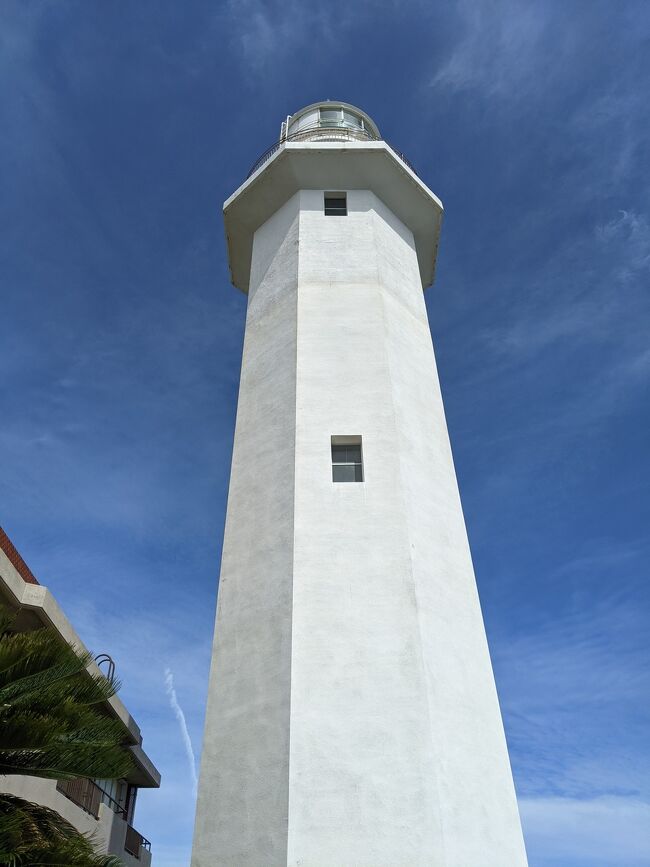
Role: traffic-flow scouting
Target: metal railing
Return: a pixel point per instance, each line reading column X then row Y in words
column 134, row 841
column 332, row 133
column 105, row 658
column 83, row 793
column 88, row 795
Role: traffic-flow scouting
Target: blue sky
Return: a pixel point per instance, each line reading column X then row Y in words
column 124, row 127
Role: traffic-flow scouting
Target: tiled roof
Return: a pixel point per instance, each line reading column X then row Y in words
column 15, row 559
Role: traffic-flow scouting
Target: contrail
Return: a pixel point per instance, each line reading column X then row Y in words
column 180, row 716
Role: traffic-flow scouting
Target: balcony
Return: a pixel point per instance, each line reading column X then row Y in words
column 88, row 795
column 83, row 793
column 327, row 133
column 134, row 842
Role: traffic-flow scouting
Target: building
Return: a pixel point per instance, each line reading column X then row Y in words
column 352, row 714
column 104, row 808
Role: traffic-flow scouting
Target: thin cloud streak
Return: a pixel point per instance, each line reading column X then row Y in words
column 180, row 716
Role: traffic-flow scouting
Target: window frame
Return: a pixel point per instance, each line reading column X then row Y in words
column 358, row 470
column 332, row 210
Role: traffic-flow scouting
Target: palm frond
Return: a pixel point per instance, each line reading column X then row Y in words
column 32, row 835
column 54, row 720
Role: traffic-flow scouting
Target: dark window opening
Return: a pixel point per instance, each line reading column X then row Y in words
column 347, row 463
column 336, row 205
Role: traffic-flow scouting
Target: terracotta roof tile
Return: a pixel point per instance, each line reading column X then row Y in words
column 15, row 559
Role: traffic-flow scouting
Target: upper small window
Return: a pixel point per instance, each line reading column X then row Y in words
column 336, row 205
column 347, row 463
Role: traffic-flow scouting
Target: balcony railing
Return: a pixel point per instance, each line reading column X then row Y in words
column 324, row 133
column 83, row 793
column 135, row 842
column 88, row 795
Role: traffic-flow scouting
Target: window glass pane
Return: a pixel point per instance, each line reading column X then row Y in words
column 351, row 120
column 336, row 206
column 303, row 122
column 330, row 115
column 358, row 473
column 344, row 473
column 346, row 454
column 353, row 454
column 309, row 119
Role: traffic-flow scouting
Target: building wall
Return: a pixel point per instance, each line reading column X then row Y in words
column 397, row 747
column 478, row 810
column 108, row 830
column 348, row 613
column 361, row 755
column 246, row 744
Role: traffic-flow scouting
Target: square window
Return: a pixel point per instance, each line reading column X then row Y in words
column 336, row 205
column 347, row 462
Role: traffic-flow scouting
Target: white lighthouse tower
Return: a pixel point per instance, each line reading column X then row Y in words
column 352, row 717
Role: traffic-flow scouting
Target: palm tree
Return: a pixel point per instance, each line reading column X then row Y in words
column 54, row 724
column 34, row 835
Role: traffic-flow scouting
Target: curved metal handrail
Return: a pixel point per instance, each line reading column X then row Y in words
column 325, row 133
column 101, row 659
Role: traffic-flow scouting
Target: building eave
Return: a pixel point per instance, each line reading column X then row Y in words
column 331, row 166
column 144, row 773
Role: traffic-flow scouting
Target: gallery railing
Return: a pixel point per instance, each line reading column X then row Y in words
column 326, row 134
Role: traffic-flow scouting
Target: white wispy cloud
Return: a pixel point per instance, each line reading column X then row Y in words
column 593, row 832
column 266, row 31
column 180, row 716
column 269, row 35
column 567, row 684
column 628, row 234
column 498, row 49
column 582, row 289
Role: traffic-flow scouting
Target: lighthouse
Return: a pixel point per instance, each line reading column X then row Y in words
column 352, row 716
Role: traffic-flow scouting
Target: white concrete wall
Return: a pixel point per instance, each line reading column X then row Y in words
column 478, row 809
column 348, row 613
column 243, row 792
column 361, row 757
